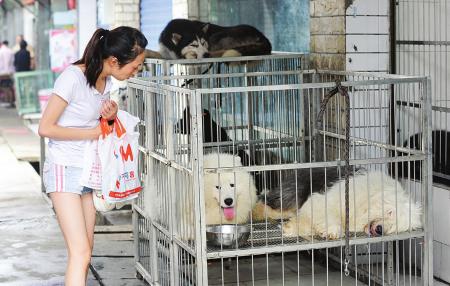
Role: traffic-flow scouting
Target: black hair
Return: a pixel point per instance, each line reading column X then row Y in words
column 5, row 43
column 23, row 44
column 124, row 43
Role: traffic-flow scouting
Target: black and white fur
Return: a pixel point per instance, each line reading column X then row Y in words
column 213, row 132
column 188, row 39
column 312, row 203
column 295, row 187
column 378, row 205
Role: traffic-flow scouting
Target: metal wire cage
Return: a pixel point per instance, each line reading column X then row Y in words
column 263, row 111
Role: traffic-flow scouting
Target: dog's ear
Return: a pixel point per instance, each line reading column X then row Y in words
column 176, row 38
column 205, row 28
column 391, row 212
column 237, row 161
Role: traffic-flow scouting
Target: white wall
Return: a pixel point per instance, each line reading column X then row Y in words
column 87, row 11
column 180, row 9
column 28, row 27
column 367, row 36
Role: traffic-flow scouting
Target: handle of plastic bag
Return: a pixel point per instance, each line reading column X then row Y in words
column 104, row 127
column 118, row 127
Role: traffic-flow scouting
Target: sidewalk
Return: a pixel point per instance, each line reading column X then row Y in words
column 32, row 247
column 33, row 250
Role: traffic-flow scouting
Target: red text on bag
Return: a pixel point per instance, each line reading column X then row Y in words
column 127, row 153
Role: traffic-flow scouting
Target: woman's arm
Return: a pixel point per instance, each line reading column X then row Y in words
column 48, row 126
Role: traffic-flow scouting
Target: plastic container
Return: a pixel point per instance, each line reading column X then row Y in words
column 44, row 95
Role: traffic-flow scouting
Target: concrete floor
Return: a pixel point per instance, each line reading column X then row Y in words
column 32, row 247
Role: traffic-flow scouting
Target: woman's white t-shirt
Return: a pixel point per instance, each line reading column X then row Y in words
column 82, row 111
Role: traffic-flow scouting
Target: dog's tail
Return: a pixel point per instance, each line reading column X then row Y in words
column 152, row 54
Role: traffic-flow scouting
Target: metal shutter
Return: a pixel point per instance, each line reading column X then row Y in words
column 155, row 14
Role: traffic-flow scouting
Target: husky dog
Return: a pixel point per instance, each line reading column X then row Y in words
column 188, row 39
column 214, row 133
column 378, row 206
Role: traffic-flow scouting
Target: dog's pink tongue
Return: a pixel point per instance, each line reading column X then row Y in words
column 229, row 213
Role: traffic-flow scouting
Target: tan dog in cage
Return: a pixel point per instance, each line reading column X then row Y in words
column 378, row 206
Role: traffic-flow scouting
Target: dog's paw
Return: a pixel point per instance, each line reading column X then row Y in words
column 231, row 53
column 190, row 56
column 290, row 229
column 332, row 233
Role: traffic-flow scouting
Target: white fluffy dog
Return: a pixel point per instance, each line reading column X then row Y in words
column 378, row 205
column 229, row 197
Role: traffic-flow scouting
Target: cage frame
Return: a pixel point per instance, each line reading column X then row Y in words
column 201, row 251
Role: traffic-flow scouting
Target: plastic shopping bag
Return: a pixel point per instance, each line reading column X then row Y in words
column 91, row 176
column 100, row 203
column 118, row 153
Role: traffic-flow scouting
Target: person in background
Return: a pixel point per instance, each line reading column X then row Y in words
column 71, row 118
column 6, row 72
column 16, row 48
column 22, row 58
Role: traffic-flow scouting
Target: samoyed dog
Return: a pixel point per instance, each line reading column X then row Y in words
column 229, row 197
column 378, row 206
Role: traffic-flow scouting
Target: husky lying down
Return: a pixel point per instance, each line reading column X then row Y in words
column 188, row 39
column 378, row 205
column 214, row 133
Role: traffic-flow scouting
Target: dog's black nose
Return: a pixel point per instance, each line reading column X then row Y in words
column 206, row 55
column 228, row 201
column 379, row 230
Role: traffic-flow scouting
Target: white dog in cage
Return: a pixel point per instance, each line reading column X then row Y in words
column 378, row 206
column 229, row 197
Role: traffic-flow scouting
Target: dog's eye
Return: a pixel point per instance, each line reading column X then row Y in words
column 232, row 185
column 218, row 187
column 194, row 45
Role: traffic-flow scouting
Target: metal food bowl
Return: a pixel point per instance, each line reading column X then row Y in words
column 227, row 235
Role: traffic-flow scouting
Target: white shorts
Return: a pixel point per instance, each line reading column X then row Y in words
column 65, row 179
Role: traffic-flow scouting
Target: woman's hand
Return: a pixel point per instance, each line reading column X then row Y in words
column 97, row 131
column 109, row 109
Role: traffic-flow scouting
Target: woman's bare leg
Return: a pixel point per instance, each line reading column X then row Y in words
column 69, row 210
column 89, row 217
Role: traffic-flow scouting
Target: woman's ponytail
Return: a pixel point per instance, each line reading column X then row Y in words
column 93, row 56
column 124, row 43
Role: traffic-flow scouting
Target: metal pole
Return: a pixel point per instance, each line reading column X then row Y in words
column 427, row 185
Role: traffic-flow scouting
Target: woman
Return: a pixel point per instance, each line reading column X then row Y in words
column 80, row 96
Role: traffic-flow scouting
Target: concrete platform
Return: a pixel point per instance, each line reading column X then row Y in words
column 33, row 250
column 23, row 143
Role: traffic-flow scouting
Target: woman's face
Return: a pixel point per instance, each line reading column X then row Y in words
column 128, row 70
